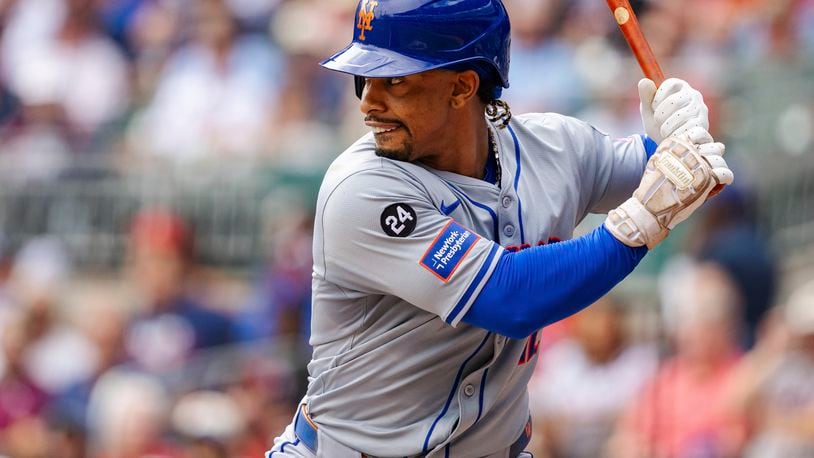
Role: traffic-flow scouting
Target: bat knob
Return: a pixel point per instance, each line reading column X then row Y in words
column 716, row 190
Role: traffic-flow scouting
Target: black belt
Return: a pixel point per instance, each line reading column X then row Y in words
column 306, row 432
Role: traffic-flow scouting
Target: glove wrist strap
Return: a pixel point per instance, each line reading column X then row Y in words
column 632, row 224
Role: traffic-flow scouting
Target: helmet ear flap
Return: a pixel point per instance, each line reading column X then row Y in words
column 358, row 85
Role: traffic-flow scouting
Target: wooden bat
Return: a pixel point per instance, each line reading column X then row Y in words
column 626, row 18
column 629, row 25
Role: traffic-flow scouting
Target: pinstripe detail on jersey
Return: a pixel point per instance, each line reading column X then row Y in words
column 487, row 264
column 516, row 183
column 282, row 447
column 482, row 389
column 480, row 405
column 485, row 207
column 453, row 391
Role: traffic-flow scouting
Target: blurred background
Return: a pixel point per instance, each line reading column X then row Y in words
column 159, row 162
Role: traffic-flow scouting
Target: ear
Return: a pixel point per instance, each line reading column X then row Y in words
column 465, row 88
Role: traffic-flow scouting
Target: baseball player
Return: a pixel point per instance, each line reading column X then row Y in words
column 441, row 243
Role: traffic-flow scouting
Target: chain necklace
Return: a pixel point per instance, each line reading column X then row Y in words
column 498, row 112
column 493, row 149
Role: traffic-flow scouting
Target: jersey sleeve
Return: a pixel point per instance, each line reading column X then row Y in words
column 609, row 168
column 379, row 232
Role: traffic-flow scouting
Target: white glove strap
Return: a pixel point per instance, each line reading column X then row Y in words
column 633, row 224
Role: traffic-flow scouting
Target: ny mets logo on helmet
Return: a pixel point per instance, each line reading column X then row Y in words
column 365, row 17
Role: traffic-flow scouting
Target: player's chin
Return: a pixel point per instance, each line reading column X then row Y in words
column 392, row 145
column 403, row 153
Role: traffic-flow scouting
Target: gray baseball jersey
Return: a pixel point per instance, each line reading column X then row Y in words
column 400, row 253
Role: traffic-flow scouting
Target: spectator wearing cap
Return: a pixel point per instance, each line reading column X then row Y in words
column 727, row 235
column 173, row 320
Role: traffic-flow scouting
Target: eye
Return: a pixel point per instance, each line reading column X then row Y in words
column 396, row 80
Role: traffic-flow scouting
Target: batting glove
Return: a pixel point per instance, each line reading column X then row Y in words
column 677, row 180
column 713, row 152
column 672, row 109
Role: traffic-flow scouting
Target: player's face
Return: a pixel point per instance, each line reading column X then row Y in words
column 409, row 114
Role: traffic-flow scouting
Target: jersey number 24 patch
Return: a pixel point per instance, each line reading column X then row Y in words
column 398, row 220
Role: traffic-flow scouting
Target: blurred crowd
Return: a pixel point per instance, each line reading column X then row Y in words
column 698, row 392
column 154, row 363
column 163, row 355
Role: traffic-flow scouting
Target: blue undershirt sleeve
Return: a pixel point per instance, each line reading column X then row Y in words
column 538, row 286
column 650, row 145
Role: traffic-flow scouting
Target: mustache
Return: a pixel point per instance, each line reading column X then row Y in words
column 382, row 120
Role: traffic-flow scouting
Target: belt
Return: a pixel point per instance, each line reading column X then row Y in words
column 306, row 432
column 520, row 444
column 305, row 429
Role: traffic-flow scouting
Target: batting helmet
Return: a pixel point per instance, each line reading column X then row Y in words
column 401, row 37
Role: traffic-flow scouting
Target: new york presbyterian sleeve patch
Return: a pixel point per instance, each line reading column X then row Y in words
column 448, row 250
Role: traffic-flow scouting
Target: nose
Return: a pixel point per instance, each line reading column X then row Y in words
column 371, row 98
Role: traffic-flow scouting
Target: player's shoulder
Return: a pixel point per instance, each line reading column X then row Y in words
column 359, row 156
column 555, row 123
column 359, row 172
column 360, row 160
column 554, row 132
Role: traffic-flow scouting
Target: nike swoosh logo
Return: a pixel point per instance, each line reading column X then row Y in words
column 447, row 209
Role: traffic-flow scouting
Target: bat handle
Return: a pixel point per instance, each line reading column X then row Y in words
column 654, row 73
column 626, row 19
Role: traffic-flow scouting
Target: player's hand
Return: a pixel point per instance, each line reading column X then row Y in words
column 676, row 181
column 672, row 109
column 713, row 152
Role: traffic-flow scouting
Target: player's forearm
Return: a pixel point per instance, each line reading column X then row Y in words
column 544, row 284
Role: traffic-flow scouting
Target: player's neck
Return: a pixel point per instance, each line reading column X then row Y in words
column 467, row 152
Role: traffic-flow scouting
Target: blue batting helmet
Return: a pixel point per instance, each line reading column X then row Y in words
column 401, row 37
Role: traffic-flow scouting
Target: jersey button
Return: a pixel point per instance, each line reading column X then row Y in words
column 508, row 230
column 469, row 390
column 506, row 201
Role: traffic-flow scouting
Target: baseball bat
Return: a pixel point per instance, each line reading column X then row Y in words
column 626, row 18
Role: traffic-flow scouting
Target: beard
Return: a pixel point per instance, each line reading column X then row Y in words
column 401, row 154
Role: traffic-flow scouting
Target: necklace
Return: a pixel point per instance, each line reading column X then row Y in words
column 493, row 149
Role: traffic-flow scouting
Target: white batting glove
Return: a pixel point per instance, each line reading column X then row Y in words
column 713, row 152
column 676, row 181
column 672, row 109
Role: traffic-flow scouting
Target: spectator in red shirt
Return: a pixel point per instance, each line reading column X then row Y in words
column 682, row 411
